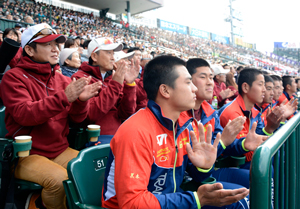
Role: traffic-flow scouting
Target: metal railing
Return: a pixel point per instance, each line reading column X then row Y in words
column 4, row 23
column 279, row 157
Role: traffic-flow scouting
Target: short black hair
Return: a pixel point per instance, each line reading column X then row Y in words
column 286, row 80
column 160, row 70
column 265, row 72
column 276, row 77
column 239, row 68
column 70, row 42
column 268, row 79
column 194, row 63
column 133, row 49
column 248, row 75
column 86, row 43
column 225, row 65
column 297, row 79
column 33, row 45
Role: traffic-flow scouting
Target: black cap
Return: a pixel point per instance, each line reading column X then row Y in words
column 18, row 25
column 56, row 27
column 125, row 46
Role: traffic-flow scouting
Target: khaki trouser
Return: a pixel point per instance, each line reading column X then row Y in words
column 49, row 173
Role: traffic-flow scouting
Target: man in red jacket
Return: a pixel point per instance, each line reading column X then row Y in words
column 116, row 100
column 39, row 103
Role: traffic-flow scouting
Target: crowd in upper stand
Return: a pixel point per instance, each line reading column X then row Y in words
column 88, row 26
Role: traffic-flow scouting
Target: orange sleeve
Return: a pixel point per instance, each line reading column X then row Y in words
column 133, row 161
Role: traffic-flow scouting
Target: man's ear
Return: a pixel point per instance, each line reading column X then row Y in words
column 164, row 90
column 94, row 57
column 29, row 50
column 245, row 88
column 67, row 61
column 288, row 87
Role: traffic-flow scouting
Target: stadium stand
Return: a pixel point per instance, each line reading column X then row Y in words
column 88, row 26
column 154, row 41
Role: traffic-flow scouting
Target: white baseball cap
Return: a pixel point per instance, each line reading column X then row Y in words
column 121, row 55
column 103, row 44
column 41, row 33
column 65, row 53
column 218, row 69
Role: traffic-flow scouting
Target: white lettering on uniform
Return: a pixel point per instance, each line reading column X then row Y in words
column 160, row 182
column 161, row 138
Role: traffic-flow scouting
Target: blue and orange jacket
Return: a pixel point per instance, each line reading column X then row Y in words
column 233, row 110
column 148, row 161
column 283, row 97
column 208, row 116
column 264, row 110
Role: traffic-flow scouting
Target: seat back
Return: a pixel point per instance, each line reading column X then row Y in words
column 87, row 172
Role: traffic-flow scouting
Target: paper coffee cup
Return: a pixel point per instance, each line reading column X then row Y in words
column 93, row 128
column 23, row 139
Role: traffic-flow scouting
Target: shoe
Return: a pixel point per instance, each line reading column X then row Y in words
column 34, row 201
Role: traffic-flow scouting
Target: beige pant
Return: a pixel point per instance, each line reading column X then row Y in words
column 49, row 173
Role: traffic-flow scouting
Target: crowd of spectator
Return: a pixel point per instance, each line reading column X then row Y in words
column 88, row 26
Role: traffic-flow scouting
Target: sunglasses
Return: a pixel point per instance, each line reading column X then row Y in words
column 43, row 32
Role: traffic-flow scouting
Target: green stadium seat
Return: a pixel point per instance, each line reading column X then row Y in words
column 20, row 185
column 86, row 177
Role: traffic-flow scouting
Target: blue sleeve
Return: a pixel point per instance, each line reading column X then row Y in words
column 260, row 127
column 218, row 129
column 198, row 174
column 235, row 148
column 177, row 200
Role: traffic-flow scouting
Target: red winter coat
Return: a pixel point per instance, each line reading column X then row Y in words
column 114, row 103
column 37, row 105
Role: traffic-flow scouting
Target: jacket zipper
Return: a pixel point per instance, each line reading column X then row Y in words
column 249, row 121
column 174, row 167
column 48, row 82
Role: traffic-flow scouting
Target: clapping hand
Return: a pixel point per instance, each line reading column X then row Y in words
column 203, row 154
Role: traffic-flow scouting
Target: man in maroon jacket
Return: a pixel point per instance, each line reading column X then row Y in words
column 116, row 100
column 39, row 103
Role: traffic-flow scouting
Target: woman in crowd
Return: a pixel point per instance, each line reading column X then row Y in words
column 69, row 61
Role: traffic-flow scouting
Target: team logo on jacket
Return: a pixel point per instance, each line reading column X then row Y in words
column 164, row 158
column 161, row 139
